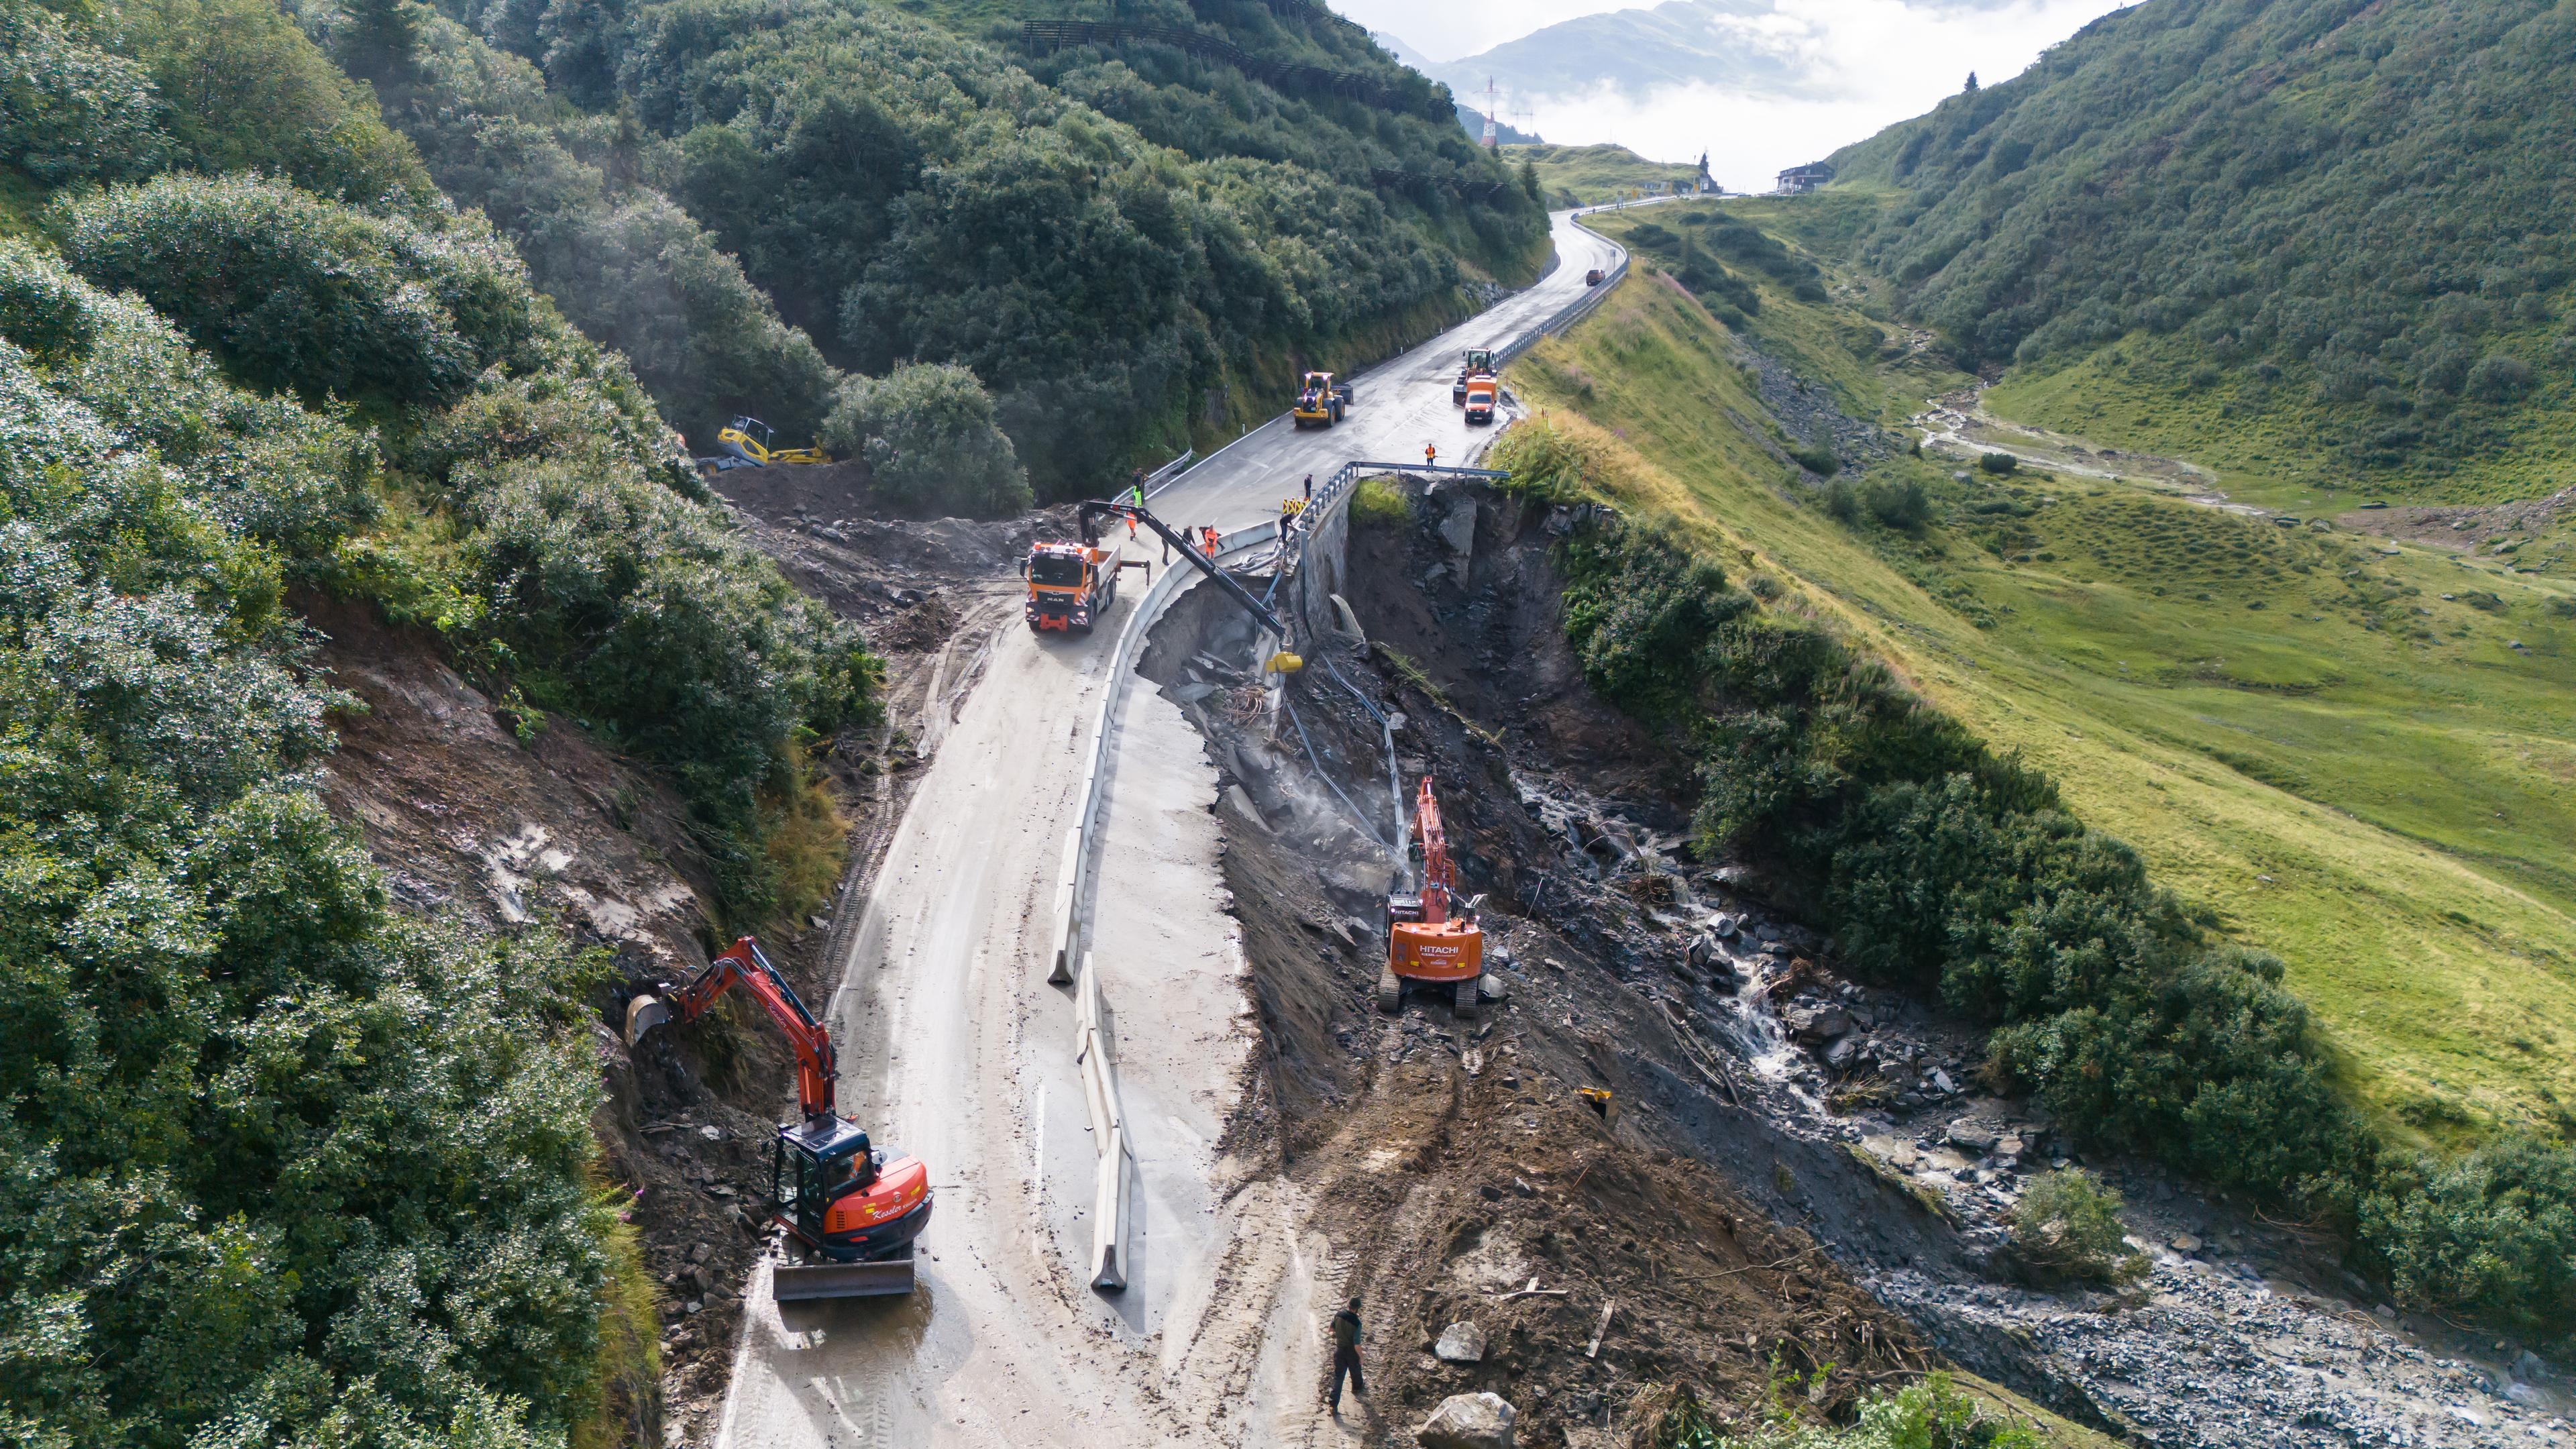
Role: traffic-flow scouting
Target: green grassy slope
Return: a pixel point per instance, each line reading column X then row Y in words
column 2327, row 243
column 2378, row 794
column 1591, row 175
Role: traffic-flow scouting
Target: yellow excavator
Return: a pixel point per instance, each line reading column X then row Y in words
column 753, row 443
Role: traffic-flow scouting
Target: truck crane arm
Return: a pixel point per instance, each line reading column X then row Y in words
column 817, row 1064
column 1094, row 510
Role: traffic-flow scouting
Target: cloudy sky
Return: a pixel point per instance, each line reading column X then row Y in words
column 1846, row 68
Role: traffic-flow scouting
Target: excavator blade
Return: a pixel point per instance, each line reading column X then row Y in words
column 792, row 1282
column 642, row 1015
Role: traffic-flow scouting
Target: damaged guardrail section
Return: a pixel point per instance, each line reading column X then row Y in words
column 1099, row 1082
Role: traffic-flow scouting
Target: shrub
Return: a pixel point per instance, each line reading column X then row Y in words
column 2499, row 377
column 1817, row 458
column 70, row 111
column 1999, row 464
column 2066, row 1228
column 930, row 440
column 1932, row 1413
column 295, row 292
column 2492, row 1233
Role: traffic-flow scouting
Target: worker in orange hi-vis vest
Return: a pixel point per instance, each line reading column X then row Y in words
column 1430, row 455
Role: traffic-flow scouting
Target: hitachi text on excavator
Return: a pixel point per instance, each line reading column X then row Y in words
column 846, row 1212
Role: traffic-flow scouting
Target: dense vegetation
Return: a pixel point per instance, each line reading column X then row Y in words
column 278, row 1166
column 1945, row 868
column 2350, row 219
column 1124, row 248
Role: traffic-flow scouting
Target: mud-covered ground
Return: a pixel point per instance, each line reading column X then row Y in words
column 508, row 819
column 1795, row 1170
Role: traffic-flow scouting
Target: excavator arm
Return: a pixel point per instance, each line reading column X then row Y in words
column 817, row 1064
column 1091, row 512
column 1439, row 877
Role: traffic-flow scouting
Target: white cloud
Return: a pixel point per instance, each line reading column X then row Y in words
column 1847, row 69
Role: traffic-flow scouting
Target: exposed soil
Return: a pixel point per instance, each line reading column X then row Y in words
column 1795, row 1169
column 468, row 818
column 2493, row 528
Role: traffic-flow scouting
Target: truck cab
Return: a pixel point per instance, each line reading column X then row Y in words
column 1479, row 362
column 1071, row 586
column 1481, row 393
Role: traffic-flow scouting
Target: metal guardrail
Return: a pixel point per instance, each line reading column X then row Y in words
column 1092, row 1042
column 1581, row 307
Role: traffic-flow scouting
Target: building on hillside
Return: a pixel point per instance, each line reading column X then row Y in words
column 1799, row 180
column 1705, row 184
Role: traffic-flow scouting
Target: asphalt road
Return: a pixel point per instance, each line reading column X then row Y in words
column 956, row 1049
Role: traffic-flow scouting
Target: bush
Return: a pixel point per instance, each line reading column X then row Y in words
column 1932, row 1413
column 1817, row 458
column 2493, row 1233
column 70, row 111
column 930, row 440
column 273, row 1156
column 2499, row 377
column 1999, row 464
column 295, row 292
column 2066, row 1228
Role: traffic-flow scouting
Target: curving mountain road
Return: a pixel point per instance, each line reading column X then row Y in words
column 960, row 1052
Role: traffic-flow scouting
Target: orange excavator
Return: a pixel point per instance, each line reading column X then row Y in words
column 847, row 1211
column 1431, row 938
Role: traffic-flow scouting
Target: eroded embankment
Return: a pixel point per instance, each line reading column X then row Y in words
column 1800, row 1170
column 1453, row 1161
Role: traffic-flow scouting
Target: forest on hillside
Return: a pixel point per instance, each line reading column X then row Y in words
column 279, row 1163
column 2355, row 212
column 1129, row 247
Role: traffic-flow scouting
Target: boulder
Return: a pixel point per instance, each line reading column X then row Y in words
column 2185, row 1244
column 1819, row 1023
column 1462, row 1342
column 1973, row 1136
column 1468, row 1421
column 1839, row 1056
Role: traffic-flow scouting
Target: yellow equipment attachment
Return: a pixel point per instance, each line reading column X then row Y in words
column 750, row 439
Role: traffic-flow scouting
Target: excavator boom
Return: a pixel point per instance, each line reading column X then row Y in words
column 848, row 1215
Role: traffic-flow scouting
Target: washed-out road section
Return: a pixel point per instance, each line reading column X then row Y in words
column 956, row 1049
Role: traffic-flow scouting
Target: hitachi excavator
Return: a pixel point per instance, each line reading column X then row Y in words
column 847, row 1212
column 1431, row 938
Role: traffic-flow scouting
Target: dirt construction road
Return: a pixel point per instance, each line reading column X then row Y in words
column 957, row 1050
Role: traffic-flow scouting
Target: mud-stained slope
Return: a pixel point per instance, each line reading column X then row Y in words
column 1455, row 1162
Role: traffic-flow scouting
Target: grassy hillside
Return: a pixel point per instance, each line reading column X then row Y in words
column 1131, row 247
column 1591, row 175
column 2321, row 756
column 2324, row 242
column 2378, row 794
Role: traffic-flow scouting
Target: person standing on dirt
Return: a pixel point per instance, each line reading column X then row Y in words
column 1346, row 1355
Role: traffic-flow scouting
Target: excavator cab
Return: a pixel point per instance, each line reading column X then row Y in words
column 845, row 1211
column 1432, row 938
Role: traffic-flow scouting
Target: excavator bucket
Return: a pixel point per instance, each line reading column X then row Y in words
column 792, row 1281
column 642, row 1015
